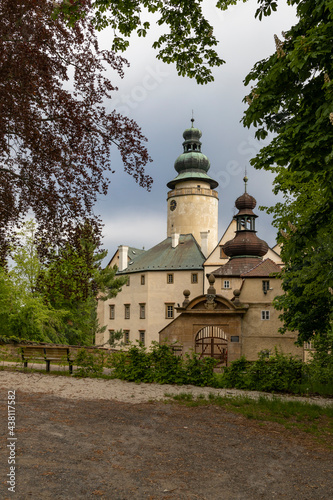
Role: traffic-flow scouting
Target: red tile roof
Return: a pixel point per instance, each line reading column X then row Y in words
column 265, row 269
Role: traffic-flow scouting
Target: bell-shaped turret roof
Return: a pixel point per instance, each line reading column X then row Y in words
column 192, row 164
column 246, row 243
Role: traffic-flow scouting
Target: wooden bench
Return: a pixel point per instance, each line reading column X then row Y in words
column 32, row 353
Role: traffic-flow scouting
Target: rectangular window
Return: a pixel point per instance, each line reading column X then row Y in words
column 143, row 279
column 128, row 281
column 127, row 311
column 226, row 284
column 265, row 315
column 194, row 278
column 111, row 311
column 265, row 286
column 169, row 278
column 142, row 311
column 169, row 311
column 111, row 336
column 309, row 345
column 142, row 336
column 234, row 338
column 126, row 336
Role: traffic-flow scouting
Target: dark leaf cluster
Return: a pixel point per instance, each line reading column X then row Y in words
column 56, row 136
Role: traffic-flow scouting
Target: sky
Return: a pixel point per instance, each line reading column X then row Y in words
column 161, row 102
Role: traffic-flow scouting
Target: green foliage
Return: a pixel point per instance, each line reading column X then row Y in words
column 188, row 39
column 235, row 375
column 89, row 363
column 160, row 364
column 115, row 337
column 306, row 417
column 55, row 299
column 293, row 99
column 278, row 373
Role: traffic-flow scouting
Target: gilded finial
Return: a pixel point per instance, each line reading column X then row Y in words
column 245, row 179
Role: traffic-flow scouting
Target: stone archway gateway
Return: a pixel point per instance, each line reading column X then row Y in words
column 212, row 341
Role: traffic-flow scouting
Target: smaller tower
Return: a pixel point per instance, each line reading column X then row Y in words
column 192, row 201
column 245, row 243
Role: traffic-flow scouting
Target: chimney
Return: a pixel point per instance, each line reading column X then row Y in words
column 204, row 242
column 123, row 257
column 174, row 240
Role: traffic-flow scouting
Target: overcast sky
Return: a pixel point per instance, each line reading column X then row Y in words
column 161, row 102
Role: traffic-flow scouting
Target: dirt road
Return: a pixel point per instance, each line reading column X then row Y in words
column 78, row 449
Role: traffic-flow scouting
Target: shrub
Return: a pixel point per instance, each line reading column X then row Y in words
column 89, row 363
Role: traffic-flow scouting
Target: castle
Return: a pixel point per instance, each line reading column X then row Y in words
column 214, row 297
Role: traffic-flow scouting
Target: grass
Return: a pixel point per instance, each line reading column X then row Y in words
column 309, row 418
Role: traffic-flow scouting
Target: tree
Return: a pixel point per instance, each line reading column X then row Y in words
column 23, row 313
column 55, row 134
column 73, row 281
column 293, row 98
column 55, row 300
column 189, row 43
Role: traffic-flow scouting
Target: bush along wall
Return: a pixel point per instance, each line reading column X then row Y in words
column 159, row 364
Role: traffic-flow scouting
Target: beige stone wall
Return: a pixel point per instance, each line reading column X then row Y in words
column 185, row 328
column 155, row 293
column 196, row 212
column 261, row 334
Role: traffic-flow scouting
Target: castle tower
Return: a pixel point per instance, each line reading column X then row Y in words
column 245, row 244
column 192, row 201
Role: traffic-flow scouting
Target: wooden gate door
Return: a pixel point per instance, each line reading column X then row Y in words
column 211, row 341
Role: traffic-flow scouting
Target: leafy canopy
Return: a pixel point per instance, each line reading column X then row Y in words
column 292, row 96
column 56, row 137
column 55, row 299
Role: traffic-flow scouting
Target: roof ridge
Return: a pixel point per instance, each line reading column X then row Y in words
column 268, row 260
column 252, row 268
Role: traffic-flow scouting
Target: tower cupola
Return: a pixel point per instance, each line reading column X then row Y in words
column 246, row 243
column 192, row 164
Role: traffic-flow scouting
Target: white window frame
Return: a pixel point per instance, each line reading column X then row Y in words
column 169, row 310
column 226, row 284
column 265, row 315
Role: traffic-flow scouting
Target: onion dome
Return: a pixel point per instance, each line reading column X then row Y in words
column 246, row 201
column 246, row 243
column 192, row 164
